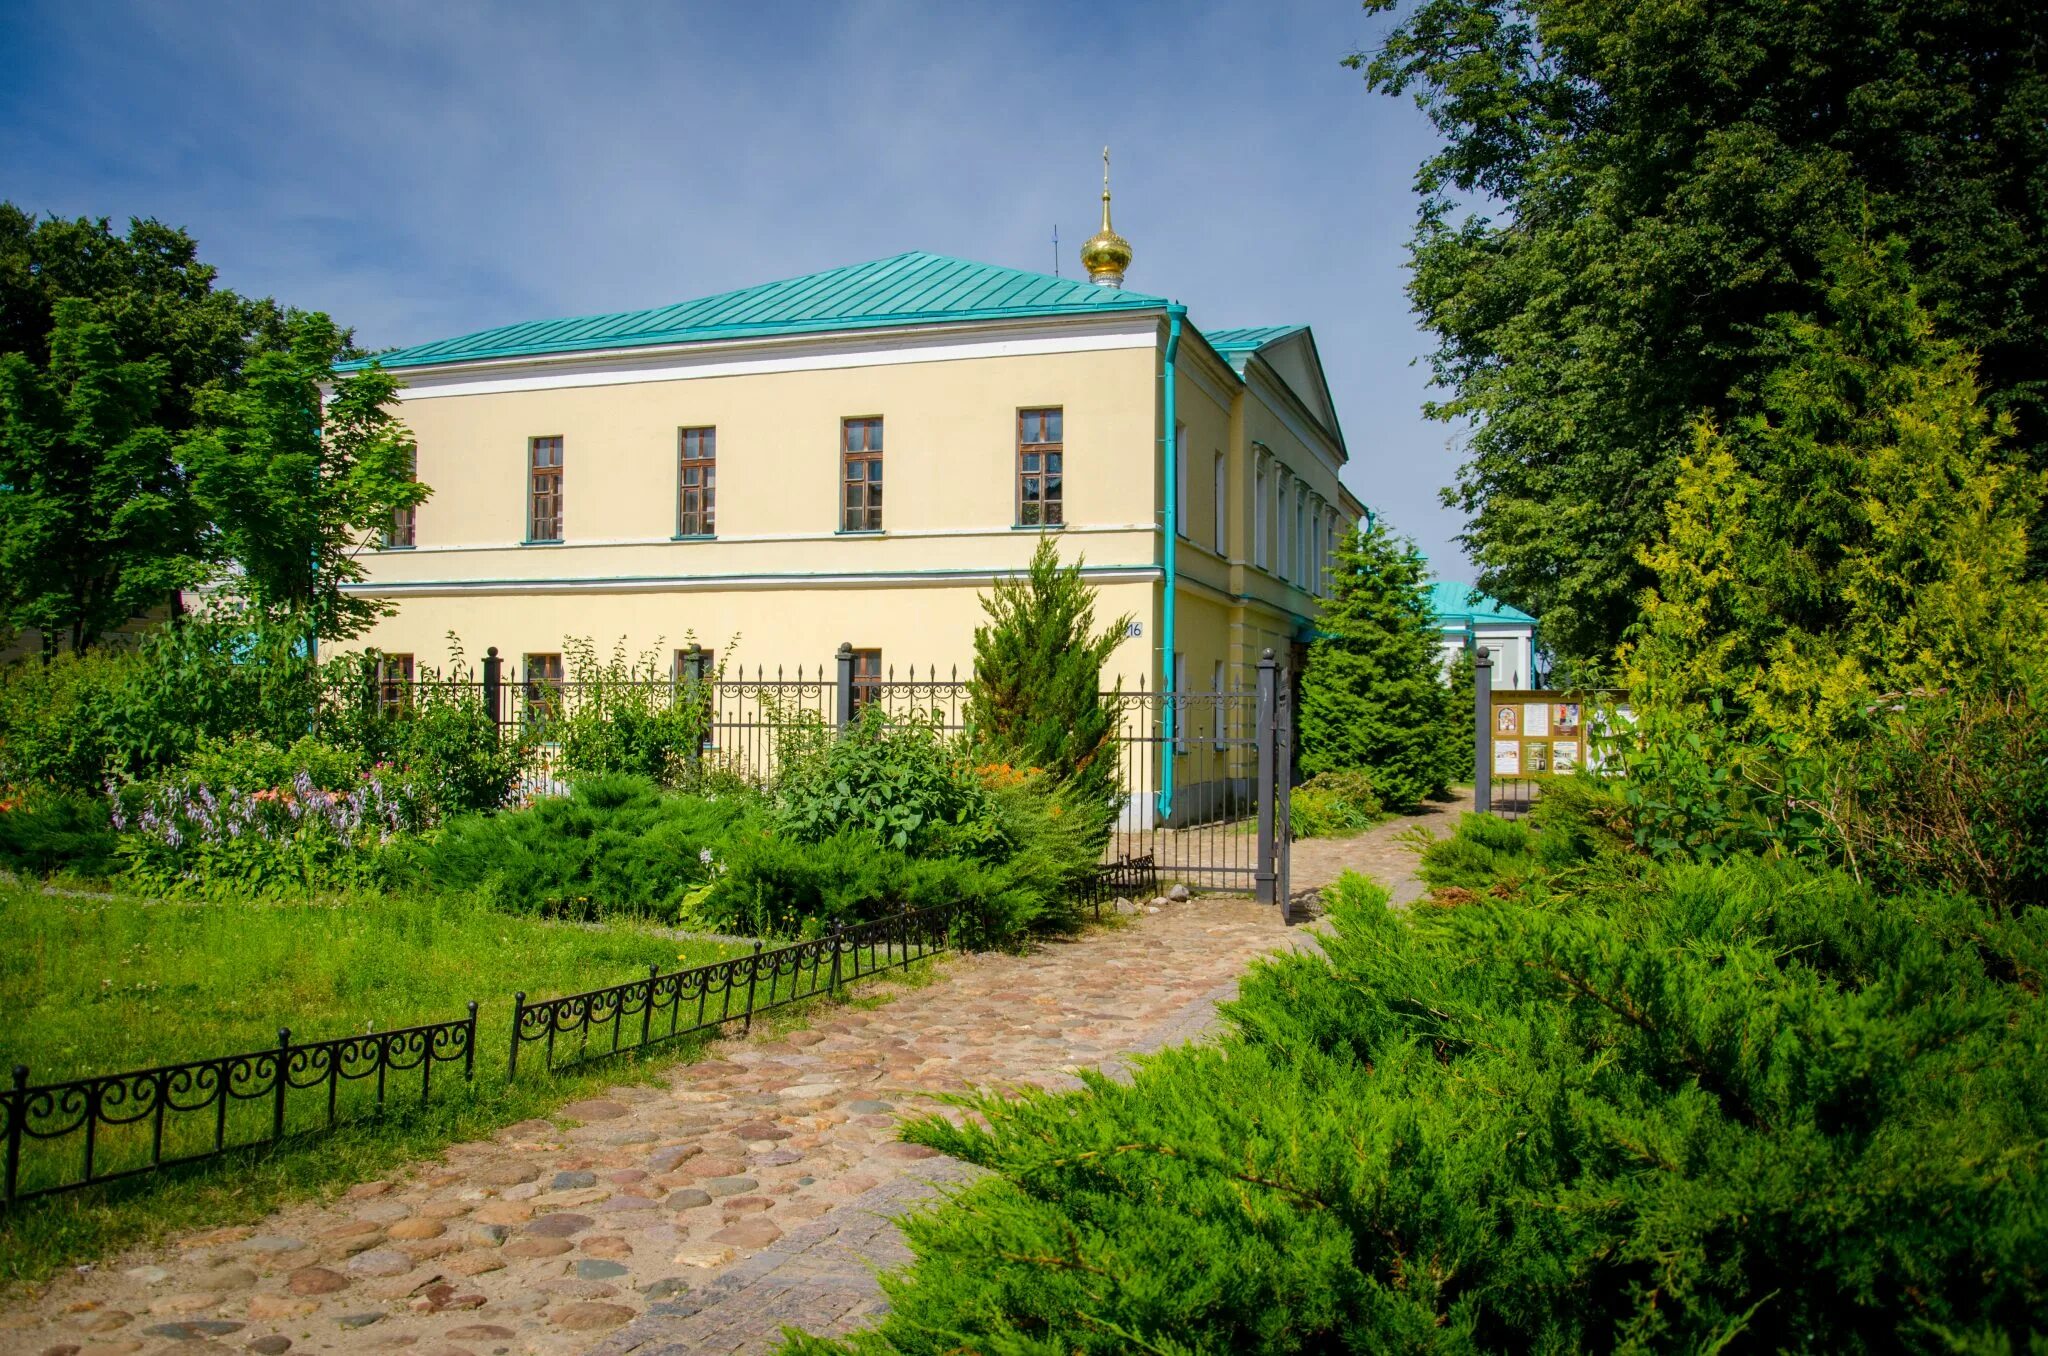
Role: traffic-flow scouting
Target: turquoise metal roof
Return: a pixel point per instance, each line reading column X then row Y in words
column 1233, row 343
column 908, row 289
column 1461, row 604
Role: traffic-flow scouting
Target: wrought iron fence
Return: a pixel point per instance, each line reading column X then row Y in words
column 120, row 1125
column 643, row 1013
column 1132, row 878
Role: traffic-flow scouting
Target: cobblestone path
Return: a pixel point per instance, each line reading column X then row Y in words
column 1381, row 852
column 754, row 1191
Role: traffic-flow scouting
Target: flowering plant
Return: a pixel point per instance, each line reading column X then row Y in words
column 182, row 836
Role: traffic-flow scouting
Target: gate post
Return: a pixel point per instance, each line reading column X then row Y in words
column 844, row 706
column 1482, row 733
column 494, row 683
column 1266, row 875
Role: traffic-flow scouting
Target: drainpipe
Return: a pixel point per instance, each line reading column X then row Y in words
column 1174, row 315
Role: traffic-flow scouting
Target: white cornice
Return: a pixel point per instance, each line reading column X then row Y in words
column 712, row 543
column 788, row 353
column 682, row 583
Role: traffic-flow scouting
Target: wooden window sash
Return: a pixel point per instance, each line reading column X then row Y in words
column 860, row 475
column 1041, row 469
column 697, row 482
column 544, row 489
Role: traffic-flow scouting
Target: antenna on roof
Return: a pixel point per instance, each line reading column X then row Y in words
column 1055, row 249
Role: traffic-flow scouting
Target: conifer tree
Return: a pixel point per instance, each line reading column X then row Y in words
column 1373, row 696
column 1036, row 698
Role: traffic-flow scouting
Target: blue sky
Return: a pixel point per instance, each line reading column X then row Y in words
column 422, row 170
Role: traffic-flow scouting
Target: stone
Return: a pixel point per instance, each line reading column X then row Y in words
column 589, row 1316
column 748, row 1233
column 273, row 1243
column 535, row 1247
column 668, row 1287
column 226, row 1278
column 147, row 1275
column 759, row 1130
column 711, row 1166
column 414, row 1229
column 360, row 1320
column 689, row 1198
column 566, row 1200
column 475, row 1263
column 1179, row 894
column 569, row 1181
column 868, row 1106
column 606, row 1245
column 480, row 1332
column 425, row 1249
column 778, row 1158
column 626, row 1176
column 380, row 1262
column 803, row 1039
column 804, row 1092
column 501, row 1212
column 629, row 1203
column 262, row 1307
column 598, row 1269
column 507, row 1174
column 746, row 1205
column 384, row 1212
column 708, row 1255
column 191, row 1302
column 595, row 1109
column 363, row 1191
column 489, row 1234
column 730, row 1186
column 527, row 1130
column 668, row 1160
column 273, row 1344
column 109, row 1348
column 525, row 1191
column 445, row 1210
column 315, row 1281
column 632, row 1137
column 194, row 1329
column 908, row 1151
column 61, row 1349
column 559, row 1225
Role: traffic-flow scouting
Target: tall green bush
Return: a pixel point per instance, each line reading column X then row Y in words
column 632, row 716
column 1036, row 697
column 1373, row 694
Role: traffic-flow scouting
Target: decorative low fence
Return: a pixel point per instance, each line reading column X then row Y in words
column 126, row 1124
column 644, row 1013
column 1133, row 878
column 90, row 1131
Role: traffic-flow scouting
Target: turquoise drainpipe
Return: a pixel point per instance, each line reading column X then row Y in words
column 1174, row 314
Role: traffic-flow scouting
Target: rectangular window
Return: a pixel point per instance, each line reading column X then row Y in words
column 544, row 495
column 1259, row 557
column 867, row 678
column 695, row 665
column 394, row 683
column 860, row 443
column 403, row 530
column 697, row 483
column 1040, row 468
column 1222, row 513
column 1300, row 544
column 1280, row 524
column 544, row 679
column 1180, row 480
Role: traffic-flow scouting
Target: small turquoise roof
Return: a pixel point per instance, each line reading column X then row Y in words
column 908, row 289
column 1461, row 605
column 1236, row 344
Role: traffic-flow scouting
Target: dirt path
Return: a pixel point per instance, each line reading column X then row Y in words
column 1380, row 852
column 756, row 1190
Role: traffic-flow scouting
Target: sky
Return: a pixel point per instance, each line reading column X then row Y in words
column 420, row 171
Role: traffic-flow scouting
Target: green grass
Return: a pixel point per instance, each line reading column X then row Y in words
column 103, row 985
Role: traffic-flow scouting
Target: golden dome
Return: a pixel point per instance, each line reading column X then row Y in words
column 1106, row 254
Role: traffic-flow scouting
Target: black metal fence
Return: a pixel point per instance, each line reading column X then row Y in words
column 1189, row 764
column 644, row 1013
column 91, row 1130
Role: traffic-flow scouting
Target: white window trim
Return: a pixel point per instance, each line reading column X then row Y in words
column 1222, row 507
column 1260, row 526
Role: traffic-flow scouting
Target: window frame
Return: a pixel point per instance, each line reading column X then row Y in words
column 700, row 523
column 1222, row 507
column 394, row 691
column 1261, row 526
column 537, row 494
column 535, row 710
column 1048, row 450
column 869, row 455
column 867, row 678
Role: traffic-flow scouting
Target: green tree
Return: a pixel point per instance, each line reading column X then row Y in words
column 1036, row 697
column 1879, row 545
column 1629, row 193
column 294, row 487
column 1373, row 694
column 94, row 522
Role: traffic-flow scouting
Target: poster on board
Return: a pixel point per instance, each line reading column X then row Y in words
column 1564, row 755
column 1536, row 719
column 1566, row 719
column 1507, row 721
column 1536, row 756
column 1507, row 760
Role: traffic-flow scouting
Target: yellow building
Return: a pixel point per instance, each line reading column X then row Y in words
column 717, row 470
